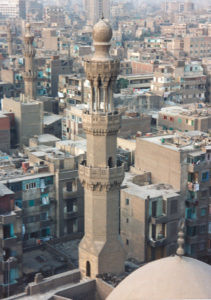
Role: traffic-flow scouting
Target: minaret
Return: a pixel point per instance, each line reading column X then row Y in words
column 9, row 41
column 30, row 74
column 101, row 250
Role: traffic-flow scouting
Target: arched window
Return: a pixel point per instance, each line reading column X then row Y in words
column 88, row 269
column 110, row 162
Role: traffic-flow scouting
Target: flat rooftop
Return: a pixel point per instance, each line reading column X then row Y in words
column 151, row 190
column 181, row 141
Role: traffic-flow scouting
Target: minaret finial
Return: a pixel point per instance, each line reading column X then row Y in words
column 180, row 241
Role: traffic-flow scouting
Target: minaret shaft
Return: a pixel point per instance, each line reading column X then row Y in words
column 30, row 74
column 101, row 250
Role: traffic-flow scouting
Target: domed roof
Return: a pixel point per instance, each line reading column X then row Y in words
column 102, row 32
column 168, row 278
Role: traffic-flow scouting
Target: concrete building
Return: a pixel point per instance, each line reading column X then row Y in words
column 185, row 118
column 101, row 250
column 96, row 9
column 183, row 82
column 13, row 9
column 28, row 118
column 149, row 218
column 55, row 15
column 4, row 132
column 11, row 242
column 197, row 47
column 182, row 160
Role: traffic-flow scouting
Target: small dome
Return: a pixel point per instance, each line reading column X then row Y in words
column 28, row 25
column 168, row 278
column 102, row 32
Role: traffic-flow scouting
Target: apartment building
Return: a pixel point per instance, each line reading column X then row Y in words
column 185, row 118
column 149, row 218
column 197, row 47
column 11, row 242
column 72, row 122
column 55, row 15
column 183, row 82
column 13, row 9
column 138, row 81
column 74, row 89
column 35, row 195
column 28, row 118
column 68, row 193
column 183, row 161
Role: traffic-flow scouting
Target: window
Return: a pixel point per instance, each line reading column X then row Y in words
column 179, row 121
column 31, row 203
column 192, row 122
column 127, row 220
column 202, row 228
column 127, row 201
column 44, row 216
column 31, row 185
column 127, row 242
column 164, row 117
column 191, row 230
column 203, row 212
column 171, row 119
column 44, row 199
column 205, row 176
column 45, row 232
column 19, row 203
column 209, row 228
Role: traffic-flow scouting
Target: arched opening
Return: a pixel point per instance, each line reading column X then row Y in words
column 110, row 162
column 88, row 269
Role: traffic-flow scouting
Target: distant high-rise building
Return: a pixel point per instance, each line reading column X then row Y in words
column 96, row 9
column 13, row 9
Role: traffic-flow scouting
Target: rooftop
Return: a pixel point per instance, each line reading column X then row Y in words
column 181, row 141
column 151, row 190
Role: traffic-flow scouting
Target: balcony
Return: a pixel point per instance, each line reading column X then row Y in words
column 10, row 263
column 104, row 175
column 8, row 242
column 8, row 218
column 45, row 223
column 192, row 168
column 101, row 123
column 70, row 215
column 158, row 242
column 159, row 219
column 193, row 187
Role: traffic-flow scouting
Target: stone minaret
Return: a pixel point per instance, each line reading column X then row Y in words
column 30, row 74
column 101, row 249
column 9, row 41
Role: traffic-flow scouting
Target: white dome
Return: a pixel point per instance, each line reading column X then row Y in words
column 168, row 278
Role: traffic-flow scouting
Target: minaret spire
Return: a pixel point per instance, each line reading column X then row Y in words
column 101, row 250
column 30, row 74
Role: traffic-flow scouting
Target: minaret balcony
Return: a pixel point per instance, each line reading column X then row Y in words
column 101, row 123
column 29, row 75
column 101, row 176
